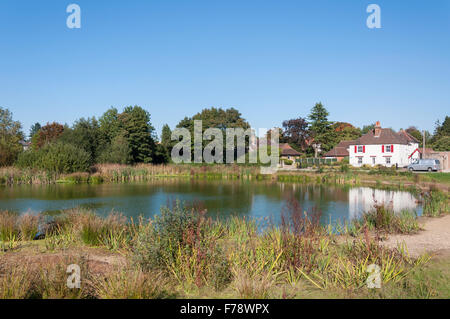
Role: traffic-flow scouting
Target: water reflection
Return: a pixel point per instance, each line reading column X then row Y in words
column 363, row 199
column 220, row 198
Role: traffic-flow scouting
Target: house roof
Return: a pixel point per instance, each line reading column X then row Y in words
column 340, row 150
column 287, row 150
column 387, row 136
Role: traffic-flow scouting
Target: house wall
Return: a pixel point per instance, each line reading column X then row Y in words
column 398, row 156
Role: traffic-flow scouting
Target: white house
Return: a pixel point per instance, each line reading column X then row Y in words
column 385, row 147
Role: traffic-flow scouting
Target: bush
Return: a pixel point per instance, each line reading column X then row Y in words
column 288, row 162
column 56, row 157
column 180, row 243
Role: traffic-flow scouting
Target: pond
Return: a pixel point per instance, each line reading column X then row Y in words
column 221, row 198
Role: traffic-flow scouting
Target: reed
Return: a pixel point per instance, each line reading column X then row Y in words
column 182, row 252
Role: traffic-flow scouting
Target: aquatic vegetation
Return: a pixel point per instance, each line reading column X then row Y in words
column 436, row 203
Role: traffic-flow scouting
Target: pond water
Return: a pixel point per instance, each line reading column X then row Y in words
column 220, row 198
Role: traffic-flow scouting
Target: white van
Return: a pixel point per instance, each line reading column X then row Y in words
column 426, row 164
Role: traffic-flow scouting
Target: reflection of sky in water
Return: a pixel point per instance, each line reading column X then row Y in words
column 221, row 198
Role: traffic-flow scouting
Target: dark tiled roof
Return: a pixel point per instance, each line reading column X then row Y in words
column 287, row 150
column 340, row 150
column 387, row 136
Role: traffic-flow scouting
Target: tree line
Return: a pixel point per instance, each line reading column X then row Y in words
column 128, row 137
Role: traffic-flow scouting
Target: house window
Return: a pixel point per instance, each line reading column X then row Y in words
column 388, row 149
column 360, row 160
column 373, row 160
column 360, row 149
column 388, row 160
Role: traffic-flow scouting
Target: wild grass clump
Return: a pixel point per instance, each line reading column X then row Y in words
column 383, row 219
column 179, row 243
column 8, row 226
column 435, row 203
column 47, row 281
column 131, row 283
column 28, row 226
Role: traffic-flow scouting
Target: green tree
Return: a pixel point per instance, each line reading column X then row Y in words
column 34, row 129
column 320, row 127
column 85, row 133
column 10, row 136
column 117, row 151
column 442, row 144
column 166, row 136
column 366, row 128
column 56, row 157
column 135, row 121
column 215, row 118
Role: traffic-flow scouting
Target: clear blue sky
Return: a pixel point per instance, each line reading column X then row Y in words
column 272, row 60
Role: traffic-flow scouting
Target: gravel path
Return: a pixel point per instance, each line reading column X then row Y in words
column 435, row 238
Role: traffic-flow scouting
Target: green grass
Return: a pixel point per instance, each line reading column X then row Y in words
column 438, row 177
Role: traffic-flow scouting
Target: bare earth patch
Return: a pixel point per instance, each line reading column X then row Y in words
column 434, row 238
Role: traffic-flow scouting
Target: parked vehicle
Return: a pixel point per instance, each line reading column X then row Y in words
column 426, row 164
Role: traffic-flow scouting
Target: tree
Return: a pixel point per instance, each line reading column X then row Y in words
column 109, row 126
column 34, row 129
column 135, row 121
column 47, row 134
column 215, row 118
column 296, row 132
column 319, row 124
column 345, row 132
column 117, row 151
column 366, row 128
column 442, row 144
column 441, row 136
column 414, row 132
column 85, row 133
column 166, row 137
column 10, row 136
column 56, row 157
column 320, row 128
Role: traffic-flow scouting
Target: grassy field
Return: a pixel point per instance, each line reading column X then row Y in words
column 183, row 254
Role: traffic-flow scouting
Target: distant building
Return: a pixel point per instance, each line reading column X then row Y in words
column 340, row 151
column 443, row 157
column 26, row 145
column 383, row 146
column 287, row 152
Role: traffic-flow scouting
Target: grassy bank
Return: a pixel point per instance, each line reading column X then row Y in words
column 183, row 254
column 114, row 173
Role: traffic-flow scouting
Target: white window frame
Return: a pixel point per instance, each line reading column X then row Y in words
column 360, row 149
column 388, row 150
column 360, row 160
column 388, row 160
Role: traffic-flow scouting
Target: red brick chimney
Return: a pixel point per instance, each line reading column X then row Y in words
column 377, row 129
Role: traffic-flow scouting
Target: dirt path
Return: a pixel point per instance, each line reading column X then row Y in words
column 435, row 238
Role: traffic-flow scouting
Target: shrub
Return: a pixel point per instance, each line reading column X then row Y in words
column 180, row 243
column 288, row 162
column 56, row 157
